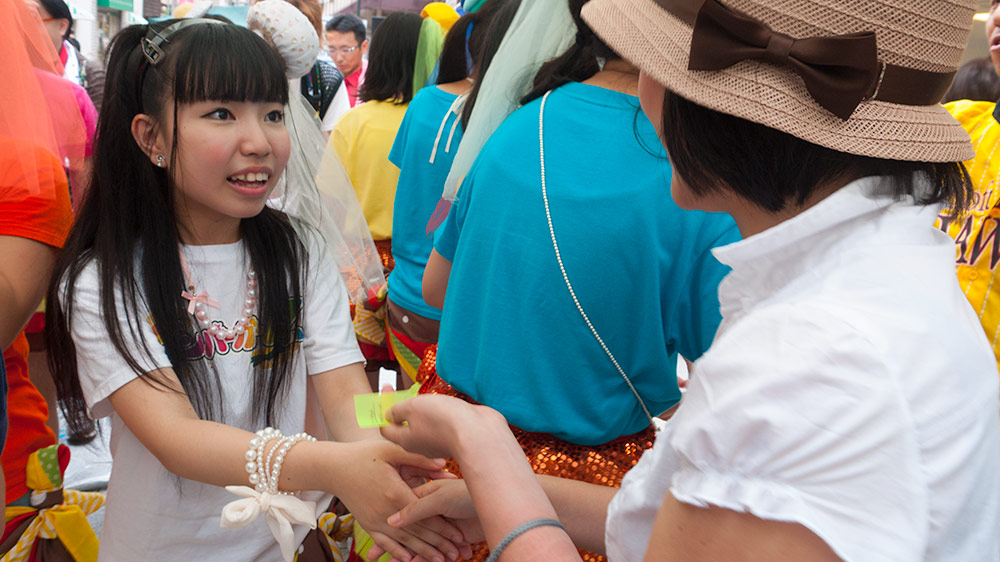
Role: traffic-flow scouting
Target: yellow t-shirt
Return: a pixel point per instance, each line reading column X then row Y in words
column 363, row 138
column 977, row 235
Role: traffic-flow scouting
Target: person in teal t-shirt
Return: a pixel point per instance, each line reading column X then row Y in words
column 423, row 161
column 511, row 336
column 424, row 148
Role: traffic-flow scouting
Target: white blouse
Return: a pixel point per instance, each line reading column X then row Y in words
column 850, row 388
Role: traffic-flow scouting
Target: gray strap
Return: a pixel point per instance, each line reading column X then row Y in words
column 495, row 554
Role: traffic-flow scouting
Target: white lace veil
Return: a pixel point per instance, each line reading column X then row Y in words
column 315, row 187
column 541, row 30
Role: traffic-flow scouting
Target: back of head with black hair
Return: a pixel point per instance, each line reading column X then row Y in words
column 391, row 56
column 60, row 11
column 217, row 17
column 496, row 29
column 716, row 152
column 975, row 80
column 577, row 64
column 346, row 23
column 454, row 64
column 127, row 224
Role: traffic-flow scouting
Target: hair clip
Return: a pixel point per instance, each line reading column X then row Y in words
column 151, row 51
column 152, row 43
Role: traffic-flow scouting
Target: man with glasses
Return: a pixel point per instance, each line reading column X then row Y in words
column 347, row 44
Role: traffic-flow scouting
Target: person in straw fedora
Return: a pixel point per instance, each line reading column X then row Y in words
column 847, row 409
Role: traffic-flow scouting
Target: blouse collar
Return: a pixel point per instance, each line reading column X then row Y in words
column 862, row 213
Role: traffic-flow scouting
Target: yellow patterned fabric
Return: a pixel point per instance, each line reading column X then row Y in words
column 338, row 530
column 363, row 542
column 42, row 470
column 65, row 521
column 977, row 235
column 369, row 318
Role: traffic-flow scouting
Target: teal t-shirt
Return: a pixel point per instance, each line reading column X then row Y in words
column 511, row 336
column 419, row 190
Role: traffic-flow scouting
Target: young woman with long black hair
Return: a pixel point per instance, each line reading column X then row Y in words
column 195, row 315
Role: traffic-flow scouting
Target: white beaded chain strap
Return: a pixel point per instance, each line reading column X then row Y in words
column 562, row 268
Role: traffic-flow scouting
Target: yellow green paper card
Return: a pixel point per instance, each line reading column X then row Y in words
column 371, row 408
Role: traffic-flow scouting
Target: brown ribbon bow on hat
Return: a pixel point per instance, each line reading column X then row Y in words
column 839, row 72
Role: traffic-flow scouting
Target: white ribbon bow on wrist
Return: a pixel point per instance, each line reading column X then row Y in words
column 281, row 511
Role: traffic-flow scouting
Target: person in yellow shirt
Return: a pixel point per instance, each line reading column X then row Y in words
column 977, row 234
column 364, row 135
column 400, row 47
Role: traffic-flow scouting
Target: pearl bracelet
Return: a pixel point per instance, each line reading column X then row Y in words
column 282, row 509
column 268, row 467
column 285, row 444
column 264, row 471
column 254, row 457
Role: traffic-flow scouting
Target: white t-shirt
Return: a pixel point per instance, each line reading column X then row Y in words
column 850, row 388
column 71, row 70
column 152, row 514
column 338, row 107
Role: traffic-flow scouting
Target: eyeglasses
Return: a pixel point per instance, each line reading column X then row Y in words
column 344, row 51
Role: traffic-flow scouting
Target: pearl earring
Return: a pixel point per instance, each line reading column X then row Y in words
column 160, row 160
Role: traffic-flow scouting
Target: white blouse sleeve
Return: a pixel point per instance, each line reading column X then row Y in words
column 793, row 417
column 101, row 368
column 328, row 332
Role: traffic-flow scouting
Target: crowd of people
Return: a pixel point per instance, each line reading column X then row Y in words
column 670, row 280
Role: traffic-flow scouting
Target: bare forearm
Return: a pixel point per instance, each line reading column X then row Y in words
column 582, row 509
column 207, row 451
column 336, row 390
column 16, row 315
column 506, row 494
column 364, row 474
column 216, row 457
column 435, row 281
column 27, row 265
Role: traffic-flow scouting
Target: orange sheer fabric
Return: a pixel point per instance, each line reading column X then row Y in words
column 38, row 107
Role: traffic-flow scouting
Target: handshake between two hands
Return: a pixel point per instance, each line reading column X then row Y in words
column 422, row 513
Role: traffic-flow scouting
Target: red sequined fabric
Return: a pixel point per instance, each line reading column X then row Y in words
column 599, row 464
column 384, row 248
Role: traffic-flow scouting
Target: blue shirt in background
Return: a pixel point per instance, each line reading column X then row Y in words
column 418, row 191
column 511, row 336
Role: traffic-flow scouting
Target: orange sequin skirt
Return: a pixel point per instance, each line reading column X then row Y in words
column 604, row 464
column 384, row 248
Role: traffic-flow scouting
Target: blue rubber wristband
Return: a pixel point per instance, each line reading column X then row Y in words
column 495, row 554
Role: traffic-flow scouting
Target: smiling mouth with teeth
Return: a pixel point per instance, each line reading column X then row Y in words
column 257, row 179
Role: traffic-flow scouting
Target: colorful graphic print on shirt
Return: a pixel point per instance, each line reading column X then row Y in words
column 977, row 249
column 204, row 345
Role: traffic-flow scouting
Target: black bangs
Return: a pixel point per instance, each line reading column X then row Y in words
column 229, row 63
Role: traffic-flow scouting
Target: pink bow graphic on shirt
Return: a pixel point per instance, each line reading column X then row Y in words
column 196, row 298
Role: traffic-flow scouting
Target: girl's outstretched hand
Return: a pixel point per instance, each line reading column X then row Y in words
column 377, row 491
column 446, row 498
column 442, row 426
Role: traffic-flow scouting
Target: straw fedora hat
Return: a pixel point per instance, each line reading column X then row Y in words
column 858, row 76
